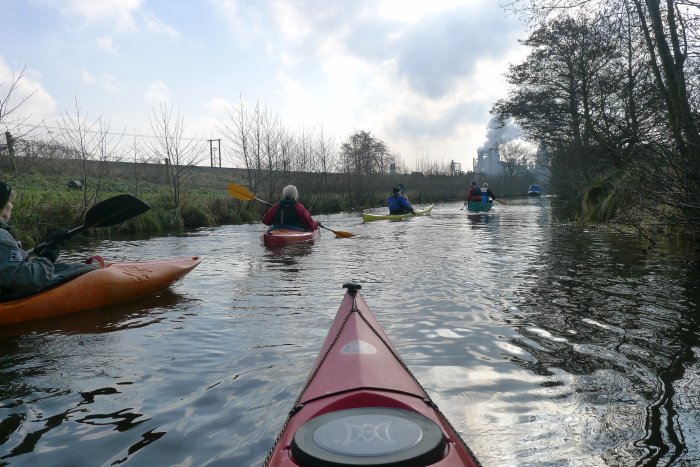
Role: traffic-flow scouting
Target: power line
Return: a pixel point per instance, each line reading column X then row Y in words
column 114, row 133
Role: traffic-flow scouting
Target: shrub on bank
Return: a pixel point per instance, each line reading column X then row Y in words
column 148, row 222
column 196, row 216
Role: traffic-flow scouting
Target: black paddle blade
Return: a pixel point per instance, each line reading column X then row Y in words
column 109, row 212
column 114, row 211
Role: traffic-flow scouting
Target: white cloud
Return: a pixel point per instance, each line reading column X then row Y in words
column 107, row 44
column 105, row 81
column 38, row 105
column 293, row 22
column 119, row 14
column 109, row 82
column 87, row 77
column 242, row 20
column 157, row 26
column 218, row 105
column 229, row 8
column 157, row 93
column 289, row 60
column 411, row 11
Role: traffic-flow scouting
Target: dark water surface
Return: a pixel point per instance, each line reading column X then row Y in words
column 543, row 344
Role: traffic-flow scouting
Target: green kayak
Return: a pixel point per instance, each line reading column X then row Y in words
column 478, row 206
column 396, row 217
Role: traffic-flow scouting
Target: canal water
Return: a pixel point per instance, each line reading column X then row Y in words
column 544, row 344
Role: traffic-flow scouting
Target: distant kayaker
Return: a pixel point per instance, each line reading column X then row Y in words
column 18, row 272
column 398, row 203
column 474, row 193
column 289, row 212
column 486, row 191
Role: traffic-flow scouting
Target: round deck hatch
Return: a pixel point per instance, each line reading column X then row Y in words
column 376, row 436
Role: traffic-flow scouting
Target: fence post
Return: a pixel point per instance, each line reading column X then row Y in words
column 11, row 149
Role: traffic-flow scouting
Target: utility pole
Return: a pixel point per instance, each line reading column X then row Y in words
column 211, row 151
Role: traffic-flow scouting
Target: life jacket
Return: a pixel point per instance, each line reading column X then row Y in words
column 484, row 195
column 397, row 204
column 287, row 214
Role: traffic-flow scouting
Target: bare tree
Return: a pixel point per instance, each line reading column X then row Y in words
column 13, row 125
column 428, row 166
column 236, row 128
column 137, row 153
column 92, row 147
column 272, row 134
column 516, row 159
column 178, row 152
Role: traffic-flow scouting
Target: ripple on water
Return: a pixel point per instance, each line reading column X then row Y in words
column 542, row 344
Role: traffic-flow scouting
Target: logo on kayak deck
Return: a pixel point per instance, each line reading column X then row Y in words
column 358, row 347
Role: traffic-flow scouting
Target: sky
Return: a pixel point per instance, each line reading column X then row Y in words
column 421, row 75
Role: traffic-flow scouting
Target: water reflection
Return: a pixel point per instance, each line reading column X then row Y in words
column 543, row 344
column 286, row 258
column 595, row 312
column 476, row 220
column 135, row 313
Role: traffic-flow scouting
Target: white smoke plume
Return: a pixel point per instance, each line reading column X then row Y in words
column 496, row 136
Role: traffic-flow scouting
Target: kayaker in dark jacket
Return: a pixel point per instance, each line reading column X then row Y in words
column 486, row 191
column 398, row 203
column 21, row 274
column 289, row 212
column 18, row 272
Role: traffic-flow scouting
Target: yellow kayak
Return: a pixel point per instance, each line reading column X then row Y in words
column 396, row 217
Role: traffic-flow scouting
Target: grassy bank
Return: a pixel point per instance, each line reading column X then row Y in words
column 43, row 203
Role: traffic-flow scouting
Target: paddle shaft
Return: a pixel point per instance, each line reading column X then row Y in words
column 324, row 227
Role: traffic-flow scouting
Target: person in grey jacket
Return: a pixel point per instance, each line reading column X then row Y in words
column 20, row 274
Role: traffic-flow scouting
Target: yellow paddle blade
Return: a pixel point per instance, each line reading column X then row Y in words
column 240, row 192
column 343, row 234
column 338, row 233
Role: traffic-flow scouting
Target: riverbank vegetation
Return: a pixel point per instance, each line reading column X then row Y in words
column 80, row 162
column 611, row 93
column 46, row 198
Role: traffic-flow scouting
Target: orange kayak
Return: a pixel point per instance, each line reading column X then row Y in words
column 115, row 283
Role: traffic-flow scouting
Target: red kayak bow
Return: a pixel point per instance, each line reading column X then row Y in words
column 362, row 406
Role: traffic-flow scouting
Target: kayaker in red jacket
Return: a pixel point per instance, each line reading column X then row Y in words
column 474, row 193
column 289, row 212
